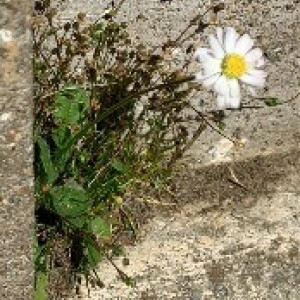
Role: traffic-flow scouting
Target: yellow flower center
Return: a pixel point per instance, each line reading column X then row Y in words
column 234, row 66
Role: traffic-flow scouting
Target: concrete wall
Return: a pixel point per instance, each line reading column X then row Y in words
column 16, row 176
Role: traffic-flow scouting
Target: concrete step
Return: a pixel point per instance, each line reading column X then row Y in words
column 274, row 26
column 224, row 241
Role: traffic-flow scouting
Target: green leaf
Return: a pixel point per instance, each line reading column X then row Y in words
column 129, row 281
column 41, row 284
column 79, row 222
column 63, row 155
column 61, row 135
column 64, row 147
column 221, row 125
column 118, row 250
column 97, row 33
column 100, row 227
column 118, row 165
column 71, row 103
column 70, row 200
column 272, row 101
column 45, row 157
column 40, row 256
column 94, row 254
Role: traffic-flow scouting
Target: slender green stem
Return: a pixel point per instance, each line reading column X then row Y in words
column 201, row 115
column 123, row 103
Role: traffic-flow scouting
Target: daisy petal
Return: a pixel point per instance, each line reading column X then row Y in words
column 254, row 55
column 231, row 37
column 216, row 47
column 234, row 88
column 221, row 86
column 232, row 102
column 257, row 73
column 220, row 36
column 260, row 63
column 243, row 44
column 255, row 78
column 210, row 69
column 211, row 66
column 206, row 80
column 199, row 76
column 252, row 91
column 210, row 80
column 221, row 102
column 201, row 53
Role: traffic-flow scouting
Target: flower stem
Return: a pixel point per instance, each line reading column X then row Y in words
column 121, row 104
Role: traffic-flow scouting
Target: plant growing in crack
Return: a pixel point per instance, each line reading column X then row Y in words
column 112, row 118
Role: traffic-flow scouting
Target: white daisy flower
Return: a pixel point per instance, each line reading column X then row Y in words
column 231, row 60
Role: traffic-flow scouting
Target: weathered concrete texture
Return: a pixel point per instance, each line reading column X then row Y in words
column 238, row 244
column 276, row 27
column 226, row 242
column 16, row 176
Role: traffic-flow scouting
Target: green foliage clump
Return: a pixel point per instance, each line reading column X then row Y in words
column 92, row 143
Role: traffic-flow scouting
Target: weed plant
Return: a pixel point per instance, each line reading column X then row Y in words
column 110, row 117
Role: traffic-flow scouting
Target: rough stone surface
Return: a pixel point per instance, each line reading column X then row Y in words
column 225, row 241
column 16, row 177
column 275, row 26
